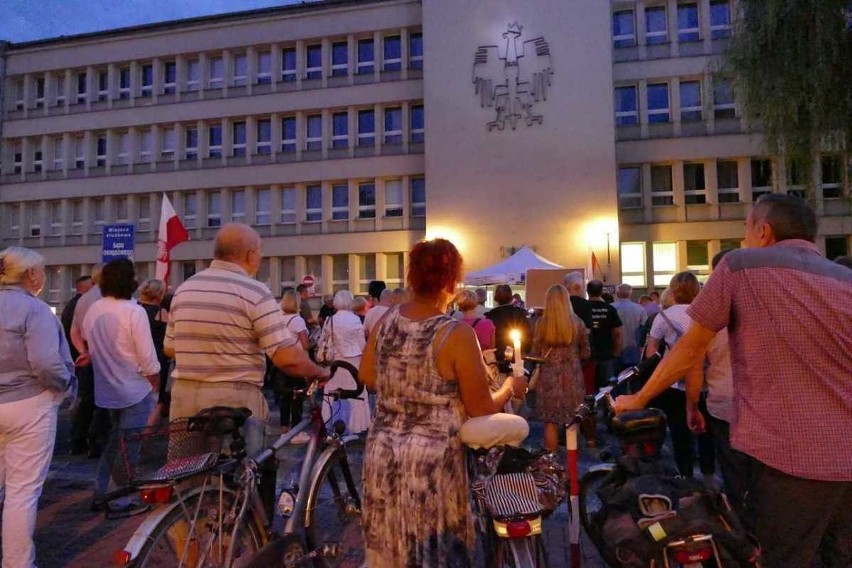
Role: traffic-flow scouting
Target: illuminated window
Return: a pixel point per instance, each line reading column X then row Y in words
column 633, row 264
column 665, row 263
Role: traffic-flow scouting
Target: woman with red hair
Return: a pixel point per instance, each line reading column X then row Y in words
column 429, row 376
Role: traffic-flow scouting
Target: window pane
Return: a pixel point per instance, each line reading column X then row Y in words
column 313, row 62
column 687, row 22
column 340, row 201
column 366, row 56
column 690, row 100
column 720, row 19
column 625, row 106
column 418, row 197
column 697, row 256
column 392, row 53
column 629, row 187
column 661, row 185
column 367, row 200
column 655, row 25
column 623, row 29
column 415, row 51
column 658, row 102
column 633, row 264
column 665, row 263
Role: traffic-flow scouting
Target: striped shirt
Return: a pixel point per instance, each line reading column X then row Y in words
column 221, row 325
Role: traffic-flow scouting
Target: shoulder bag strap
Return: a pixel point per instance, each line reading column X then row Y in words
column 676, row 329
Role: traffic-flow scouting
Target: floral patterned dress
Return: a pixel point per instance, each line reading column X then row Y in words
column 560, row 386
column 416, row 510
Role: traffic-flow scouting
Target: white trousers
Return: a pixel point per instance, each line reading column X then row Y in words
column 354, row 412
column 27, row 434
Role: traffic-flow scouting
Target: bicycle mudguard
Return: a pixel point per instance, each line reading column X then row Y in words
column 326, row 456
column 140, row 537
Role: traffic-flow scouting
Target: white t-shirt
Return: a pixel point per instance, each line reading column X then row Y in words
column 373, row 316
column 295, row 323
column 349, row 340
column 661, row 329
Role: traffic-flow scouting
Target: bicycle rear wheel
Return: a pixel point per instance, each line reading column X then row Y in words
column 195, row 541
column 334, row 530
column 590, row 503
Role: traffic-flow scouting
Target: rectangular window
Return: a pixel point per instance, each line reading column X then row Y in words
column 392, row 53
column 214, row 208
column 56, row 220
column 393, row 126
column 831, row 177
column 665, row 263
column 82, row 87
column 38, row 157
column 340, row 130
column 101, row 150
column 79, row 145
column 264, row 68
column 367, row 200
column 633, row 264
column 168, row 144
column 687, row 23
column 694, row 187
column 39, row 92
column 214, row 141
column 658, row 103
column 796, row 179
column 193, row 75
column 124, row 83
column 366, row 57
column 723, row 99
column 288, row 64
column 366, row 271
column 98, row 216
column 698, row 259
column 191, row 142
column 262, row 212
column 366, row 128
column 146, row 142
column 626, row 107
column 147, row 80
column 690, row 101
column 18, row 156
column 393, row 198
column 215, row 72
column 144, row 209
column 340, row 202
column 761, row 177
column 77, row 217
column 623, row 29
column 395, row 270
column 656, row 28
column 34, row 212
column 18, row 94
column 238, row 205
column 123, row 155
column 661, row 186
column 727, row 176
column 288, row 205
column 629, row 187
column 190, row 209
column 313, row 204
column 288, row 134
column 120, row 204
column 313, row 62
column 58, row 152
column 720, row 19
column 240, row 70
column 340, row 272
column 169, row 77
column 264, row 136
column 313, row 132
column 418, row 121
column 415, row 51
column 418, row 197
column 103, row 85
column 339, row 59
column 60, row 90
column 238, row 139
column 13, row 213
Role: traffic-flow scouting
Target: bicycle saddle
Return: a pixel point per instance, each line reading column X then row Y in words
column 647, row 420
column 223, row 420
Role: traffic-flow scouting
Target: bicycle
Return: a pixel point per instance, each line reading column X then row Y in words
column 209, row 512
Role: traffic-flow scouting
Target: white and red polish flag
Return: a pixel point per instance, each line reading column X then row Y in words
column 172, row 233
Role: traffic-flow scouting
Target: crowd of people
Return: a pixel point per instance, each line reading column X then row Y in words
column 756, row 376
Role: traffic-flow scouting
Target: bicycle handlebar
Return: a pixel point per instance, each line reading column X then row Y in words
column 345, row 393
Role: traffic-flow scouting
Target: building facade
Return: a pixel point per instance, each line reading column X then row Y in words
column 345, row 131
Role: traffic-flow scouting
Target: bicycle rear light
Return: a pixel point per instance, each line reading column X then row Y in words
column 518, row 528
column 687, row 555
column 121, row 558
column 286, row 504
column 156, row 495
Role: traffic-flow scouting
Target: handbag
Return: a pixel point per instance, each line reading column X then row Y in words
column 325, row 346
column 533, row 382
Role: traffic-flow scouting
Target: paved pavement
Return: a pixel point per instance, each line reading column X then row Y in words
column 69, row 535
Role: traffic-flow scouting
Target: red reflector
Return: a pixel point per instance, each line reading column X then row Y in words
column 685, row 556
column 121, row 558
column 156, row 495
column 518, row 529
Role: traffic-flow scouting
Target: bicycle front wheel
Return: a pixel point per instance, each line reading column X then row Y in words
column 192, row 536
column 333, row 524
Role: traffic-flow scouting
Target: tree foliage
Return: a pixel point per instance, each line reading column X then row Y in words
column 792, row 66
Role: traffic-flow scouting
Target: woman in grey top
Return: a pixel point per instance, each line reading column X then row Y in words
column 36, row 373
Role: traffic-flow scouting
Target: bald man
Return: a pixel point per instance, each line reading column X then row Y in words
column 222, row 325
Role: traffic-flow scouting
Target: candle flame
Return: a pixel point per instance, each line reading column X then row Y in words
column 515, row 335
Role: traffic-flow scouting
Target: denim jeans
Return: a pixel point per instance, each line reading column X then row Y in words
column 132, row 417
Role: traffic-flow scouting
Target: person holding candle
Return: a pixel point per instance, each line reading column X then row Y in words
column 560, row 337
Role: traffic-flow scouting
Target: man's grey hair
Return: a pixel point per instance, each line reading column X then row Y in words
column 385, row 297
column 573, row 281
column 343, row 300
column 624, row 291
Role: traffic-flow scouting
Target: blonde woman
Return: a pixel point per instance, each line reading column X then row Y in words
column 467, row 302
column 561, row 337
column 35, row 373
column 284, row 384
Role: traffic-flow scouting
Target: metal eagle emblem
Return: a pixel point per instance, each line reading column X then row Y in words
column 513, row 78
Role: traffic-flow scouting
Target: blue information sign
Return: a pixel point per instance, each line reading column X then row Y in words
column 117, row 242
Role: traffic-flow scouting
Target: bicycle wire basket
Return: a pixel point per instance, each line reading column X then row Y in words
column 158, row 454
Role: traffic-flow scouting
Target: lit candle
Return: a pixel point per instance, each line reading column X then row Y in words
column 516, row 344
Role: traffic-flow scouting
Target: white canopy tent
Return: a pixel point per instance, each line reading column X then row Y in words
column 513, row 270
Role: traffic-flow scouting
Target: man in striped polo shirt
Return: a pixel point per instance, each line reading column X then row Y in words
column 788, row 311
column 222, row 324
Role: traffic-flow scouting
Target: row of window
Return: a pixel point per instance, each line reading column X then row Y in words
column 655, row 21
column 309, row 61
column 311, row 203
column 658, row 104
column 633, row 194
column 342, row 129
